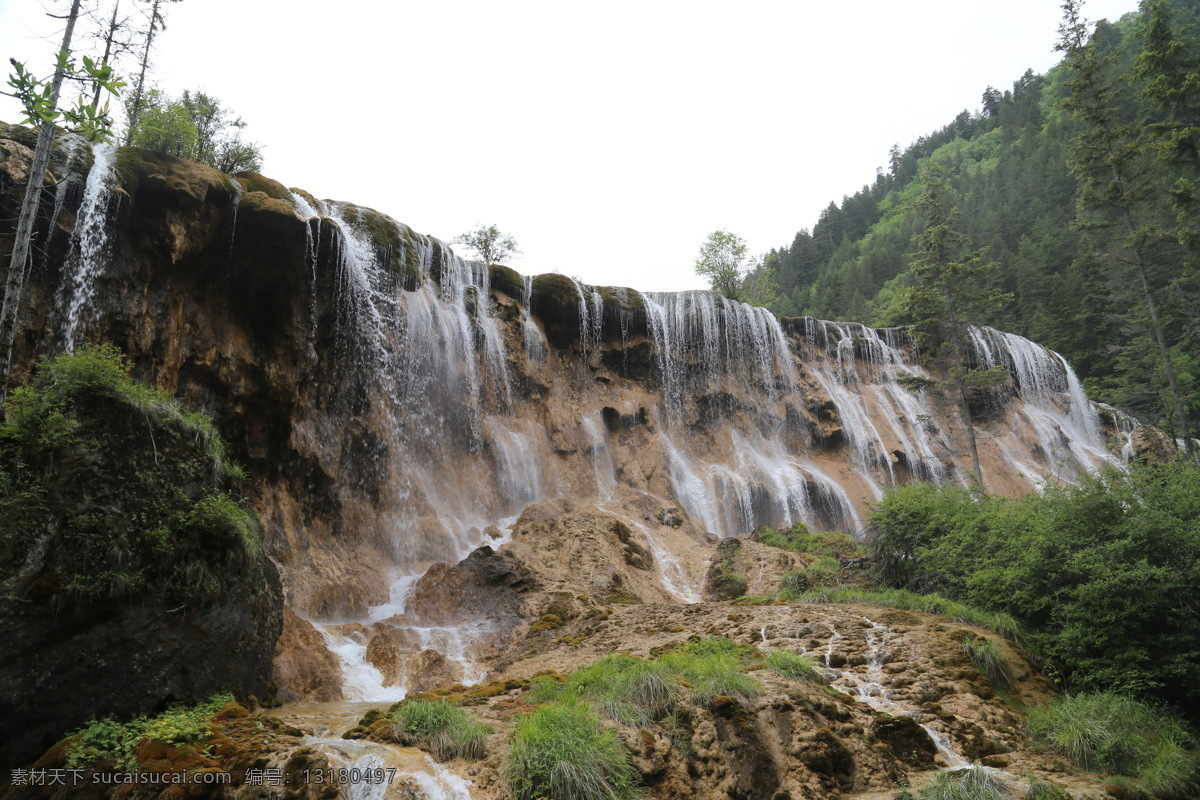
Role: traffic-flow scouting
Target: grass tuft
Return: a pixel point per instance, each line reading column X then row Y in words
column 995, row 621
column 989, row 659
column 793, row 666
column 1111, row 732
column 442, row 728
column 973, row 783
column 561, row 751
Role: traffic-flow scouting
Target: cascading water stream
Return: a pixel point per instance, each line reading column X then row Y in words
column 91, row 249
column 871, row 687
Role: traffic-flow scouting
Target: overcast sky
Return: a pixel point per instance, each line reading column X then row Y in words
column 608, row 138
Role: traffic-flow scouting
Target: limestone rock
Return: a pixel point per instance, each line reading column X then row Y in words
column 304, row 670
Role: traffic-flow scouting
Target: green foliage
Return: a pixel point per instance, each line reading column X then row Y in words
column 444, row 729
column 793, row 666
column 561, row 751
column 799, row 539
column 712, row 668
column 89, row 119
column 107, row 741
column 721, row 262
column 1071, row 289
column 989, row 659
column 43, row 415
column 196, row 126
column 1098, row 572
column 625, row 689
column 794, row 583
column 1043, row 790
column 1112, row 732
column 492, row 246
column 964, row 784
column 156, row 520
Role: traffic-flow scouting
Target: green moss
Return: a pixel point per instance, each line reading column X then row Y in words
column 555, row 289
column 143, row 172
column 622, row 298
column 260, row 202
column 506, row 279
column 253, row 182
column 155, row 521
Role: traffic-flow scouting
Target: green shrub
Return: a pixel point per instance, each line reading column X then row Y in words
column 798, row 539
column 43, row 414
column 444, row 729
column 560, row 751
column 1092, row 571
column 793, row 584
column 989, row 659
column 793, row 666
column 108, row 740
column 973, row 783
column 824, row 571
column 162, row 525
column 1112, row 732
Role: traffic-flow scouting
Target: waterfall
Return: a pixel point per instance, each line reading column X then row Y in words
column 1066, row 424
column 439, row 410
column 91, row 249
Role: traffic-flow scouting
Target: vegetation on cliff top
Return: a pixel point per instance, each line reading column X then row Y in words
column 1018, row 166
column 111, row 489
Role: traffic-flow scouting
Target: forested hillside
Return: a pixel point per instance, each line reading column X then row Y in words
column 1072, row 185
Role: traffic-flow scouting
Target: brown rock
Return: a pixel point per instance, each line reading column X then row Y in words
column 304, row 669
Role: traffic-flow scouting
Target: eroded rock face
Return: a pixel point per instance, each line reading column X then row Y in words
column 303, row 669
column 392, row 401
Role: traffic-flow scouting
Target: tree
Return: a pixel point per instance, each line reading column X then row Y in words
column 155, row 23
column 1107, row 159
column 492, row 246
column 197, row 127
column 40, row 101
column 946, row 298
column 720, row 261
column 758, row 286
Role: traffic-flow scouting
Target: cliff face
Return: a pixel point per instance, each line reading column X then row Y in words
column 392, row 401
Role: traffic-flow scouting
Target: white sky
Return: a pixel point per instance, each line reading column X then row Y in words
column 608, row 138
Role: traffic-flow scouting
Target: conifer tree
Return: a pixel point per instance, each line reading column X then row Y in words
column 946, row 299
column 1108, row 159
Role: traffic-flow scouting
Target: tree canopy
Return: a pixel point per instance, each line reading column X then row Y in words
column 492, row 246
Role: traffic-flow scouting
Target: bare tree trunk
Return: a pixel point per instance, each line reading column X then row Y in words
column 14, row 283
column 970, row 426
column 135, row 109
column 108, row 45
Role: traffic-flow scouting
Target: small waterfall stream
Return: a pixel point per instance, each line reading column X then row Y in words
column 91, row 248
column 433, row 401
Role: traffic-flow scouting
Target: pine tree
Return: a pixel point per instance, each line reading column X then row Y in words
column 947, row 298
column 1108, row 159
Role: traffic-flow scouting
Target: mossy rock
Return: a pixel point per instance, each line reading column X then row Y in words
column 19, row 133
column 906, row 740
column 507, row 280
column 142, row 172
column 261, row 202
column 622, row 298
column 253, row 182
column 311, row 200
column 557, row 289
